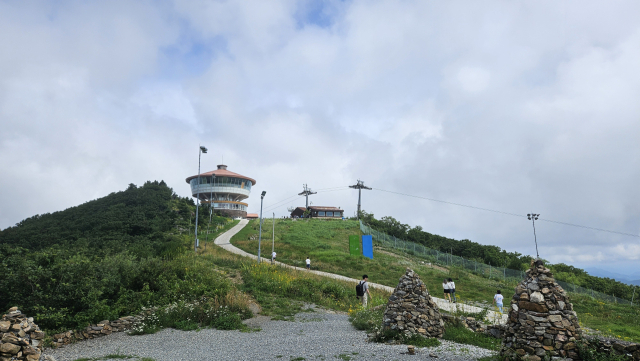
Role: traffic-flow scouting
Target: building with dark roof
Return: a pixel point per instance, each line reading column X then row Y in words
column 225, row 189
column 318, row 212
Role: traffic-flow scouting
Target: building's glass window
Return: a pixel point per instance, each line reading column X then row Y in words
column 321, row 214
column 337, row 214
column 329, row 214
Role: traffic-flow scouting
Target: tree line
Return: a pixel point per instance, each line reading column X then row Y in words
column 494, row 255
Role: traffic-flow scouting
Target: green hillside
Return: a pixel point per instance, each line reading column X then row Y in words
column 105, row 258
column 326, row 243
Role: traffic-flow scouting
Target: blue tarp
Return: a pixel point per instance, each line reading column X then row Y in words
column 367, row 246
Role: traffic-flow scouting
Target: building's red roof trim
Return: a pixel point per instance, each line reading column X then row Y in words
column 221, row 173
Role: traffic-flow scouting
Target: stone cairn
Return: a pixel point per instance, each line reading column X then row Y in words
column 411, row 310
column 21, row 338
column 541, row 320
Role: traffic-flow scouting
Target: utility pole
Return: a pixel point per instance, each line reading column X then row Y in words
column 306, row 192
column 195, row 243
column 359, row 186
column 260, row 236
column 532, row 217
column 273, row 242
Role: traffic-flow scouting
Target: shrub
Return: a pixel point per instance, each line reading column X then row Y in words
column 461, row 334
column 224, row 314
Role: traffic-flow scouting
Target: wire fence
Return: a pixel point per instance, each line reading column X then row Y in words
column 446, row 259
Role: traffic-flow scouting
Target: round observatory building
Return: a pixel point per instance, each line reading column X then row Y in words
column 225, row 189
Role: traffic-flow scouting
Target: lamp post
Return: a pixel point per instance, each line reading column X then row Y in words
column 532, row 217
column 195, row 243
column 210, row 209
column 260, row 236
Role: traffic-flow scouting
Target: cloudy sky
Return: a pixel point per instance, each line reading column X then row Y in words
column 512, row 106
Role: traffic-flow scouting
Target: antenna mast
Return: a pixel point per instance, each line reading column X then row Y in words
column 359, row 186
column 306, row 192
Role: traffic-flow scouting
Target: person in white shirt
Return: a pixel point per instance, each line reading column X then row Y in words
column 452, row 290
column 308, row 263
column 445, row 286
column 497, row 300
column 273, row 257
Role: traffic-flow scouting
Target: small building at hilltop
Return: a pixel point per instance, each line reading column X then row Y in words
column 252, row 216
column 318, row 212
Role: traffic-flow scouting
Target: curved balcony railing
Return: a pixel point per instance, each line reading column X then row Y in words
column 208, row 188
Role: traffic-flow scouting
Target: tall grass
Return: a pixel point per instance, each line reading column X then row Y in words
column 613, row 320
column 302, row 286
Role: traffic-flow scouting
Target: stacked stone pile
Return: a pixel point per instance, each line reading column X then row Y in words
column 21, row 338
column 605, row 345
column 411, row 310
column 100, row 329
column 542, row 319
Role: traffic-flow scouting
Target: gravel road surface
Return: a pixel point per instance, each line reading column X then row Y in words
column 319, row 335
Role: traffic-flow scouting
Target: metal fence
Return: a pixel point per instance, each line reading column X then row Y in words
column 447, row 259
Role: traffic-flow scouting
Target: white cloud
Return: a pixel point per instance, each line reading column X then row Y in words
column 514, row 107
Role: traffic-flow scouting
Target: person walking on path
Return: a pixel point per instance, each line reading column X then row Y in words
column 308, row 263
column 273, row 257
column 445, row 286
column 365, row 290
column 497, row 300
column 452, row 290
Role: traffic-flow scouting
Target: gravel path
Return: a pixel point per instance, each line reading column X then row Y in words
column 319, row 335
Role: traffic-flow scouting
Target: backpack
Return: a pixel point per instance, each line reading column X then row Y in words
column 360, row 290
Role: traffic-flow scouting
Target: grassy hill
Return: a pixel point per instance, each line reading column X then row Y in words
column 326, row 243
column 105, row 258
column 131, row 249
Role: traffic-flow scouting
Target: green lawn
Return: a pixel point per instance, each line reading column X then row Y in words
column 326, row 242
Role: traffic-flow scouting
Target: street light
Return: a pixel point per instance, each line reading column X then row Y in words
column 195, row 243
column 260, row 236
column 533, row 217
column 213, row 176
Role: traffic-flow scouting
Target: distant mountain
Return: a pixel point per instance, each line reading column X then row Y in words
column 628, row 279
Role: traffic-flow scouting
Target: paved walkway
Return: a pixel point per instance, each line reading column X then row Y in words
column 224, row 241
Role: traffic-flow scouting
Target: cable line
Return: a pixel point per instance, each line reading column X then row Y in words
column 282, row 201
column 455, row 204
column 508, row 213
column 592, row 228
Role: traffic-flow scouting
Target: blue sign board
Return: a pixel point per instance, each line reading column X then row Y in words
column 367, row 246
